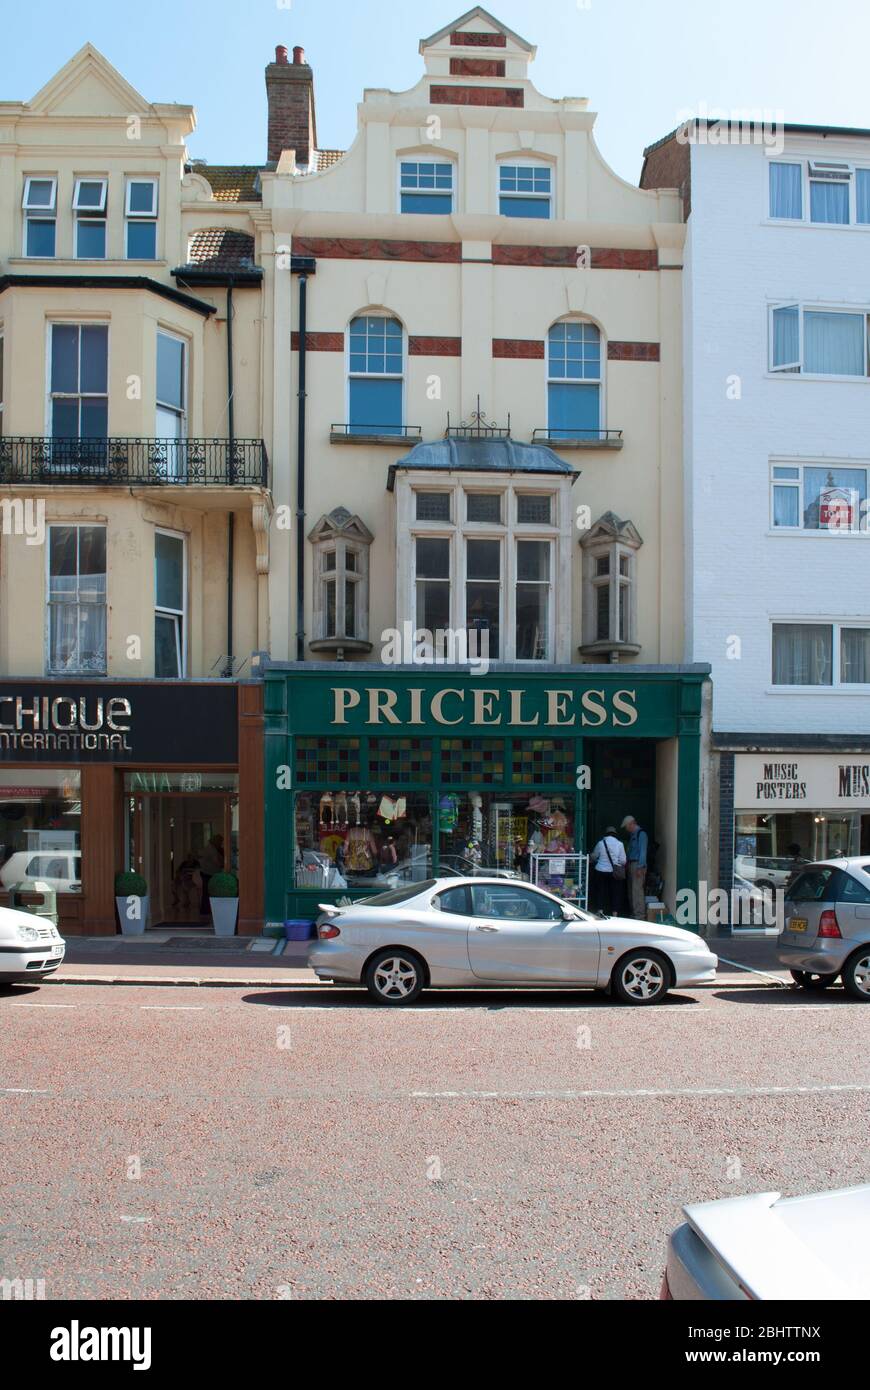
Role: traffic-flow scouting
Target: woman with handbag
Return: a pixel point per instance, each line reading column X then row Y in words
column 608, row 865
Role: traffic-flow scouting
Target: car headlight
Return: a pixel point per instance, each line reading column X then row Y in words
column 28, row 933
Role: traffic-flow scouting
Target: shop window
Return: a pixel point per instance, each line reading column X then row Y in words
column 376, row 355
column 574, row 380
column 814, row 497
column 400, row 760
column 361, row 839
column 525, row 190
column 79, row 390
column 40, row 216
column 771, row 848
column 170, row 604
column 341, row 544
column 473, row 761
column 89, row 211
column 141, row 219
column 40, row 829
column 426, row 186
column 542, row 762
column 490, row 830
column 328, row 761
column 76, row 600
column 610, row 549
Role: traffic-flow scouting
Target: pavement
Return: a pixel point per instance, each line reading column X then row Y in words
column 287, row 1142
column 164, row 958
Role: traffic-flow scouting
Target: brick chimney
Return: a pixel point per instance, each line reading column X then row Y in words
column 290, row 97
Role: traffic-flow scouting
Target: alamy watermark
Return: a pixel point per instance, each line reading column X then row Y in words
column 741, row 126
column 23, row 516
column 443, row 646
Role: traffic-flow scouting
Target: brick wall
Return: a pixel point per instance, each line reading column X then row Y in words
column 290, row 98
column 669, row 166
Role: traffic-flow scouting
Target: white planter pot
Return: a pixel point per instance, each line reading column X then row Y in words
column 132, row 925
column 224, row 912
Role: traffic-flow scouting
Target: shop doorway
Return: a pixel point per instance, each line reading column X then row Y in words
column 167, row 837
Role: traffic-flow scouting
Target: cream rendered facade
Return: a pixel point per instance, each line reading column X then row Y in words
column 88, row 125
column 476, row 294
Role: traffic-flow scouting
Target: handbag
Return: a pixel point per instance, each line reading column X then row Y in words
column 618, row 869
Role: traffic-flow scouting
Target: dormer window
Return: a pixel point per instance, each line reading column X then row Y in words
column 525, row 190
column 426, row 186
column 141, row 216
column 40, row 216
column 89, row 211
column 341, row 544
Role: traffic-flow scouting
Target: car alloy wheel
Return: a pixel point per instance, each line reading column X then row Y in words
column 641, row 979
column 394, row 977
column 856, row 977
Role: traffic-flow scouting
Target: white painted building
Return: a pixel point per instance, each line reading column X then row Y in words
column 777, row 460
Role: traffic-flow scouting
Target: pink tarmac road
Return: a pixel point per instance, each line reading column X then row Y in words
column 264, row 1142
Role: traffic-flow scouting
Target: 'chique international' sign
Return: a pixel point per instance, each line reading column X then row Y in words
column 103, row 722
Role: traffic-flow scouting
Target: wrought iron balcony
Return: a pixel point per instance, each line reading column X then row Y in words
column 134, row 462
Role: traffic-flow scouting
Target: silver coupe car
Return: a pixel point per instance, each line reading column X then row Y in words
column 493, row 933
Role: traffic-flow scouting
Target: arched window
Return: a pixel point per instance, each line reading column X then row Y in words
column 376, row 366
column 574, row 379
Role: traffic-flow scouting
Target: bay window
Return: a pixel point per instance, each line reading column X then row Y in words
column 574, row 379
column 375, row 375
column 432, row 582
column 610, row 549
column 534, row 565
column 40, row 216
column 831, row 655
column 79, row 393
column 818, row 342
column 483, row 594
column 76, row 600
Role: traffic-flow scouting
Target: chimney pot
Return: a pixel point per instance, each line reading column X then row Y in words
column 298, row 56
column 281, row 54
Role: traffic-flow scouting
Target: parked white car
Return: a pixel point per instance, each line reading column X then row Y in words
column 766, row 1246
column 30, row 947
column 59, row 869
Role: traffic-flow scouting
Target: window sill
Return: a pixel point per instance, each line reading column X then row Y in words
column 340, row 644
column 401, row 441
column 608, row 439
column 801, row 533
column 815, row 376
column 827, row 690
column 71, row 262
column 815, row 226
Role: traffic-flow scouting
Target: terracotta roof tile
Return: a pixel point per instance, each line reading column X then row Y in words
column 326, row 159
column 218, row 249
column 232, row 183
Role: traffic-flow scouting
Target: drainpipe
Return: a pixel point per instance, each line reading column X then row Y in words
column 300, row 472
column 231, row 473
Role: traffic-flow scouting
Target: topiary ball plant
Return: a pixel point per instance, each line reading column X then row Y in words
column 223, row 886
column 129, row 885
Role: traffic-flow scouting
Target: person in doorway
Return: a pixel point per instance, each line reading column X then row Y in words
column 211, row 861
column 388, row 856
column 608, row 865
column 636, row 853
column 183, row 884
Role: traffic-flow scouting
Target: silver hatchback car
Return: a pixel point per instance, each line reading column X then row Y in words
column 826, row 930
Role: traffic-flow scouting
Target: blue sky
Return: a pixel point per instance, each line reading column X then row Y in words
column 642, row 63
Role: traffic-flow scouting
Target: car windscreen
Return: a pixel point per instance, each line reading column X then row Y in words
column 398, row 895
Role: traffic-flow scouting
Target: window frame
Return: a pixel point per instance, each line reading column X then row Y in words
column 526, row 162
column 180, row 413
column 89, row 215
column 615, row 581
column 46, row 213
column 600, row 381
column 415, row 157
column 139, row 217
column 805, row 307
column 180, row 616
column 51, row 395
column 798, row 485
column 77, row 526
column 851, row 169
column 375, row 376
column 836, row 686
column 351, row 538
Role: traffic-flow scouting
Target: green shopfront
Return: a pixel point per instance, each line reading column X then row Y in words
column 380, row 774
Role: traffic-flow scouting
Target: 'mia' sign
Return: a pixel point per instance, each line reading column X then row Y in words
column 484, row 708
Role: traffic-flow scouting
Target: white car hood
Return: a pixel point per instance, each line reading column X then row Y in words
column 791, row 1248
column 10, row 919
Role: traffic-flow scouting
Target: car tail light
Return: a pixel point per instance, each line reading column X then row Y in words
column 828, row 924
column 327, row 930
column 665, row 1291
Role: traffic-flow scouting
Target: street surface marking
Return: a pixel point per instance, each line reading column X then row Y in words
column 44, row 1006
column 21, row 1091
column 173, row 1008
column 752, row 971
column 141, row 1220
column 640, row 1094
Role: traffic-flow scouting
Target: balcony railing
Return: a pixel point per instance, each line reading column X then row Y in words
column 139, row 462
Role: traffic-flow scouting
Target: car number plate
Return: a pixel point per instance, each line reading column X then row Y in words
column 798, row 924
column 57, row 950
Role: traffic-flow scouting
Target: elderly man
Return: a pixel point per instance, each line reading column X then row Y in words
column 636, row 851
